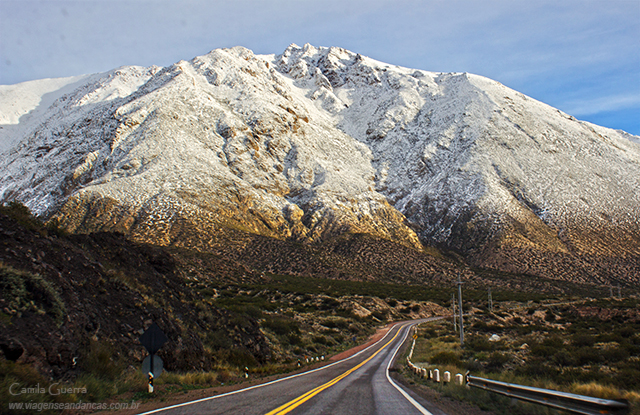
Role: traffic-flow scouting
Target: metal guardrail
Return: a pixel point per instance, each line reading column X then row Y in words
column 560, row 400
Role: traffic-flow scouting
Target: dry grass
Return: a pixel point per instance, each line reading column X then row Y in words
column 607, row 392
column 191, row 379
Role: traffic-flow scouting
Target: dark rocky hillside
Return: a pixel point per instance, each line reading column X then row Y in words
column 61, row 294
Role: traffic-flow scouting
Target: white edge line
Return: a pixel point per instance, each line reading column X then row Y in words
column 166, row 408
column 405, row 394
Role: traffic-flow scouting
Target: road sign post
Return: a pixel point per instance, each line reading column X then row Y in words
column 152, row 340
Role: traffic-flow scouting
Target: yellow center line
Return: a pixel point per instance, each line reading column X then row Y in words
column 290, row 406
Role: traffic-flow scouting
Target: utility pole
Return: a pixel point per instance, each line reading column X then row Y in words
column 490, row 301
column 460, row 307
column 453, row 308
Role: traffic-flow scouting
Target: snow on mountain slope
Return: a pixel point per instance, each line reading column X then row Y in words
column 461, row 155
column 55, row 139
column 320, row 141
column 20, row 99
column 23, row 104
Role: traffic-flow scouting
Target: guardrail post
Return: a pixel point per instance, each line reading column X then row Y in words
column 436, row 375
column 459, row 379
column 446, row 377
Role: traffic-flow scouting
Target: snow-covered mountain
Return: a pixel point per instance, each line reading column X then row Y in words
column 316, row 142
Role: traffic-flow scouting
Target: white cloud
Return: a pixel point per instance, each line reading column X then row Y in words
column 602, row 104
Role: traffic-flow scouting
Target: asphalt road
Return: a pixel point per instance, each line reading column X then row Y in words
column 360, row 384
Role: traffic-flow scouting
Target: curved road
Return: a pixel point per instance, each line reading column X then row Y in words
column 359, row 384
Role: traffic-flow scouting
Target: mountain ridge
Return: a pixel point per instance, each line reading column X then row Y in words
column 318, row 142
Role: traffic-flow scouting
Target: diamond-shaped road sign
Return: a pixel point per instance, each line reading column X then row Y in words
column 153, row 339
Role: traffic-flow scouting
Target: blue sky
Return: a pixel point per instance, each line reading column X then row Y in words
column 582, row 57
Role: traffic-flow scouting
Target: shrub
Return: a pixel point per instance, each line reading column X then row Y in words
column 218, row 339
column 479, row 344
column 538, row 369
column 497, row 360
column 241, row 358
column 380, row 315
column 21, row 214
column 615, row 354
column 336, row 323
column 473, row 365
column 24, row 376
column 540, row 350
column 54, row 228
column 326, row 341
column 99, row 359
column 445, row 358
column 295, row 339
column 629, row 378
column 430, row 333
column 480, row 326
column 241, row 320
column 632, row 349
column 329, row 304
column 281, row 326
column 554, row 342
column 586, row 355
column 627, row 332
column 564, row 358
column 249, row 310
column 26, row 291
column 583, row 340
column 549, row 316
